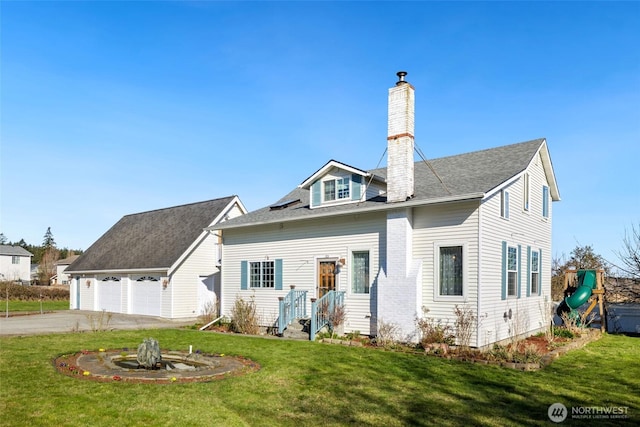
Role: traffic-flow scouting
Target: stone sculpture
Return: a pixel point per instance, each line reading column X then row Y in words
column 149, row 356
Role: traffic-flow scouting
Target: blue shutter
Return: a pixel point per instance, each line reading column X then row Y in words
column 278, row 274
column 315, row 194
column 545, row 201
column 504, row 270
column 243, row 275
column 356, row 186
column 529, row 271
column 539, row 271
column 519, row 271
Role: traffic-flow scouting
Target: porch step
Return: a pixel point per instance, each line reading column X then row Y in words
column 298, row 330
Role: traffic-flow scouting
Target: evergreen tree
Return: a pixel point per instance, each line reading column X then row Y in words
column 3, row 239
column 48, row 241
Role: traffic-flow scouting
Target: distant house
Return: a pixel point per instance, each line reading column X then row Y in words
column 472, row 230
column 15, row 264
column 62, row 278
column 161, row 263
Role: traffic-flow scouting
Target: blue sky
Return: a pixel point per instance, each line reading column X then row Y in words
column 112, row 108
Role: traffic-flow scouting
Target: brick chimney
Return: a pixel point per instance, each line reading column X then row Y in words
column 400, row 186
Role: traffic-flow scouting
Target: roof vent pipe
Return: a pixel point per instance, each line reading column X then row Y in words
column 401, row 75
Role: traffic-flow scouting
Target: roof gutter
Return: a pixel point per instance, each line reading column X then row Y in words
column 124, row 270
column 384, row 207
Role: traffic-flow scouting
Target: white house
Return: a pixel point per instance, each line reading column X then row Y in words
column 15, row 264
column 472, row 230
column 61, row 277
column 160, row 263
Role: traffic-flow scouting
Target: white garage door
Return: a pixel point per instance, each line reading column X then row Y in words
column 146, row 293
column 110, row 294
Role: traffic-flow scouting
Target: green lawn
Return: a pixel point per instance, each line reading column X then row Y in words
column 304, row 383
column 33, row 306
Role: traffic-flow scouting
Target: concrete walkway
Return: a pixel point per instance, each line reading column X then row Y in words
column 81, row 321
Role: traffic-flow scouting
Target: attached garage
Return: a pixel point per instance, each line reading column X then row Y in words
column 110, row 294
column 150, row 263
column 146, row 296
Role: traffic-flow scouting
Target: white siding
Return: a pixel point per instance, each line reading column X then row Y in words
column 11, row 271
column 524, row 228
column 88, row 293
column 448, row 224
column 300, row 245
column 184, row 281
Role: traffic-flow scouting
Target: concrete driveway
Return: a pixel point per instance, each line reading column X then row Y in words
column 80, row 321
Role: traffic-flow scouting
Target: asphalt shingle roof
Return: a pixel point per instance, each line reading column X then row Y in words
column 150, row 240
column 464, row 175
column 14, row 250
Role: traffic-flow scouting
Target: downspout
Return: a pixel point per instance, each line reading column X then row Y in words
column 210, row 323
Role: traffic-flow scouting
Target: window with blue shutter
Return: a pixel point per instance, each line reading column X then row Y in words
column 261, row 274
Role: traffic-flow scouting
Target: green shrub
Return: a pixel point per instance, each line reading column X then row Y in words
column 32, row 293
column 562, row 332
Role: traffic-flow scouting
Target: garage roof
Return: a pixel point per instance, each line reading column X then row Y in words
column 152, row 240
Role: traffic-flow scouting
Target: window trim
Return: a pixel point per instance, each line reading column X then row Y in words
column 263, row 273
column 352, row 274
column 533, row 282
column 509, row 270
column 504, row 204
column 245, row 274
column 337, row 182
column 436, row 270
column 545, row 201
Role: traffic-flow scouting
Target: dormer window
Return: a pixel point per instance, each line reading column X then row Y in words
column 336, row 189
column 336, row 183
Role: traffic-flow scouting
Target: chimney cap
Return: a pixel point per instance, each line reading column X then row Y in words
column 401, row 75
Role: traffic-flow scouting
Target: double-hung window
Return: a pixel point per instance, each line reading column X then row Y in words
column 360, row 272
column 15, row 259
column 261, row 274
column 450, row 270
column 336, row 189
column 535, row 272
column 512, row 271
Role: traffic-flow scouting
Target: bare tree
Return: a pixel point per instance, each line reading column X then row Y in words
column 630, row 254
